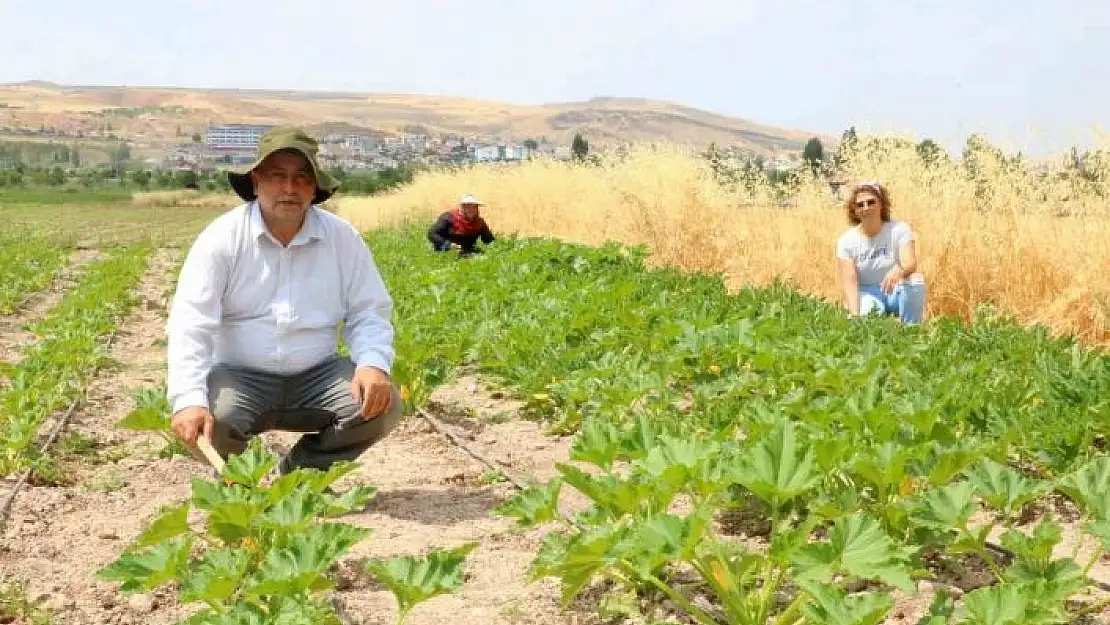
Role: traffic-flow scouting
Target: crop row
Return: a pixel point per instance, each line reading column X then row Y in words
column 71, row 344
column 28, row 265
column 869, row 451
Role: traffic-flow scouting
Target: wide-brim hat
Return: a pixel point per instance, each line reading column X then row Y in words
column 284, row 138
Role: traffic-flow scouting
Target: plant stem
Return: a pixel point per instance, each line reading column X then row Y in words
column 1094, row 560
column 682, row 602
column 790, row 614
column 988, row 557
column 771, row 583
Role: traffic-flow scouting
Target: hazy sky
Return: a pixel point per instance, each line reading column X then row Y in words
column 1032, row 75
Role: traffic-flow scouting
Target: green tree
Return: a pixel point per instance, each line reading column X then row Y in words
column 930, row 152
column 579, row 147
column 849, row 143
column 141, row 178
column 813, row 154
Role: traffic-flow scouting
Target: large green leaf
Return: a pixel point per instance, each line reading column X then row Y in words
column 300, row 566
column 944, row 509
column 216, row 576
column 533, row 505
column 857, row 546
column 145, row 419
column 598, row 442
column 149, row 568
column 619, row 497
column 831, row 606
column 1089, row 486
column 779, row 469
column 173, row 521
column 249, row 467
column 414, row 580
column 996, row 605
column 1003, row 488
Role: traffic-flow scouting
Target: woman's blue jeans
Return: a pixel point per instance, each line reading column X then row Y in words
column 907, row 301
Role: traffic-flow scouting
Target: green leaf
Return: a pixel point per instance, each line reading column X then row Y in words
column 615, row 496
column 1101, row 530
column 732, row 572
column 642, row 437
column 947, row 462
column 652, row 542
column 232, row 522
column 300, row 566
column 622, row 605
column 354, row 500
column 290, row 515
column 831, row 606
column 1003, row 488
column 149, row 568
column 944, row 509
column 146, row 419
column 576, row 559
column 598, row 442
column 280, row 610
column 778, row 469
column 216, row 576
column 248, row 468
column 173, row 521
column 1049, row 584
column 1089, row 486
column 858, row 546
column 940, row 610
column 996, row 605
column 316, row 480
column 415, row 580
column 883, row 466
column 1038, row 546
column 533, row 505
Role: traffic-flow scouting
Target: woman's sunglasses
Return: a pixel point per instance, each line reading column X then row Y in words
column 868, row 202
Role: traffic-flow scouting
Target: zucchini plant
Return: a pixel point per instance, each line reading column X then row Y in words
column 264, row 552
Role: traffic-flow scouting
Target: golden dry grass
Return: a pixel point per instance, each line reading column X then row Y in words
column 184, row 198
column 1011, row 247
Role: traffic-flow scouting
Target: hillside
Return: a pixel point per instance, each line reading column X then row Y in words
column 168, row 114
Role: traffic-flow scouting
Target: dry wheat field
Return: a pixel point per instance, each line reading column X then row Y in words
column 1022, row 242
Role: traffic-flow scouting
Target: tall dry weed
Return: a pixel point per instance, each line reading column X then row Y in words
column 992, row 231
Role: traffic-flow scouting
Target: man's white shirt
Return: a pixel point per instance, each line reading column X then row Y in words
column 244, row 299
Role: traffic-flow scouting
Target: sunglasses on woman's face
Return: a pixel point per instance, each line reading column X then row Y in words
column 868, row 202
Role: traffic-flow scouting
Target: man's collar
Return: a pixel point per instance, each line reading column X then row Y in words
column 311, row 229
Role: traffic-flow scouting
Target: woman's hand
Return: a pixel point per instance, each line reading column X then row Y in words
column 892, row 279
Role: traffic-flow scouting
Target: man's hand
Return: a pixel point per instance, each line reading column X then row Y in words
column 373, row 389
column 189, row 422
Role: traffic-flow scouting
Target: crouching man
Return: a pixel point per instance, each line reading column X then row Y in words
column 255, row 320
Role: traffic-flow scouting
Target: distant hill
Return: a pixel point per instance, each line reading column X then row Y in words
column 157, row 114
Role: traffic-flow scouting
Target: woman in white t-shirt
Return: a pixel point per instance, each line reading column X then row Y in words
column 877, row 259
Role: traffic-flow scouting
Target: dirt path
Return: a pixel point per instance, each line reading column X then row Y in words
column 14, row 333
column 431, row 494
column 58, row 536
